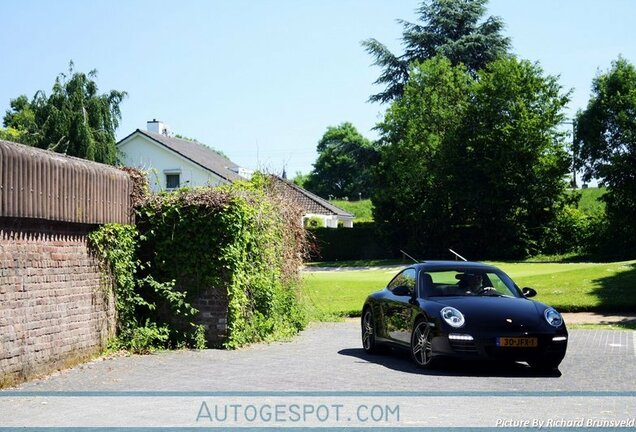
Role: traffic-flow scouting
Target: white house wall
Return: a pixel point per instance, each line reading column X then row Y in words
column 330, row 221
column 140, row 152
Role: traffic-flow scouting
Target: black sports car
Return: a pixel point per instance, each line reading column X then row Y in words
column 463, row 309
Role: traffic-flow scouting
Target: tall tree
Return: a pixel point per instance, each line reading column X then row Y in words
column 606, row 141
column 75, row 119
column 473, row 163
column 455, row 29
column 508, row 165
column 409, row 205
column 342, row 167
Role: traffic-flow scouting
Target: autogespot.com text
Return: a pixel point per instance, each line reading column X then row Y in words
column 307, row 413
column 310, row 409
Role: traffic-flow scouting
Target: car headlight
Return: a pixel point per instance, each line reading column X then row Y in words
column 553, row 317
column 453, row 317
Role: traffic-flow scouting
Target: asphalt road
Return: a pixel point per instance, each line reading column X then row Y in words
column 597, row 379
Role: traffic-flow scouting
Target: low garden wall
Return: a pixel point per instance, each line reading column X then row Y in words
column 55, row 307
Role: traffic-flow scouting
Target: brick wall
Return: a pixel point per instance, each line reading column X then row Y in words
column 213, row 310
column 56, row 308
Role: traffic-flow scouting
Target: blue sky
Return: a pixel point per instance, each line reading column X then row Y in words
column 261, row 80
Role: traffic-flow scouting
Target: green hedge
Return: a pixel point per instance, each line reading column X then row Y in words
column 360, row 242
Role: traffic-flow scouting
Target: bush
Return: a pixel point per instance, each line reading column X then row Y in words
column 313, row 222
column 239, row 239
column 569, row 232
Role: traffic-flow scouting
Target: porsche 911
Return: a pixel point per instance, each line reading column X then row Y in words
column 466, row 310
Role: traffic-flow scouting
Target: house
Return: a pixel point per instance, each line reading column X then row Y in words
column 313, row 206
column 174, row 162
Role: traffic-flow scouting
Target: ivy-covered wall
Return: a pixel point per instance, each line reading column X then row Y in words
column 234, row 251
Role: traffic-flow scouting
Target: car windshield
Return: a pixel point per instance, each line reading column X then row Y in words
column 467, row 282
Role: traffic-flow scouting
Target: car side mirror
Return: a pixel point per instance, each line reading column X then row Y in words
column 528, row 292
column 402, row 291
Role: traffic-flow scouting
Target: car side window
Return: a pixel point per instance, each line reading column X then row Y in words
column 406, row 278
column 498, row 284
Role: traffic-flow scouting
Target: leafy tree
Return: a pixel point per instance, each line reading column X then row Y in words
column 606, row 141
column 507, row 168
column 473, row 163
column 408, row 203
column 454, row 29
column 74, row 119
column 342, row 167
column 11, row 134
column 300, row 179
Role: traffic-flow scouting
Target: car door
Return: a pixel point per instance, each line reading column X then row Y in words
column 398, row 307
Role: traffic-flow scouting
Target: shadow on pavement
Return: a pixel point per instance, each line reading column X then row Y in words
column 400, row 360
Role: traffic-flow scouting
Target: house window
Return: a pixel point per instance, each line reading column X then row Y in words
column 173, row 181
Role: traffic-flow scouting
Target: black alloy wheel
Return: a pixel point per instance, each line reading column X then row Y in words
column 422, row 344
column 368, row 332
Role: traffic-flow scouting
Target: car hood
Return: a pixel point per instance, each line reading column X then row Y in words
column 494, row 312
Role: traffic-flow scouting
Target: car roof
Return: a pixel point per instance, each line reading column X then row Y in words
column 449, row 265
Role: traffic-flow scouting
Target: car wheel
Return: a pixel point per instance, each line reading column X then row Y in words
column 422, row 344
column 368, row 332
column 544, row 365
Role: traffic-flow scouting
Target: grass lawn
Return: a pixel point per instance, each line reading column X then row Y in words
column 568, row 287
column 362, row 210
column 590, row 202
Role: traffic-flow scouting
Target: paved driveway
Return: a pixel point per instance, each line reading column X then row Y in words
column 597, row 377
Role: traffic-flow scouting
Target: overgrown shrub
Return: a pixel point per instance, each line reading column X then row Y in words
column 139, row 327
column 313, row 222
column 239, row 238
column 242, row 239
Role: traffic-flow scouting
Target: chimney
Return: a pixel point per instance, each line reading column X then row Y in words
column 157, row 126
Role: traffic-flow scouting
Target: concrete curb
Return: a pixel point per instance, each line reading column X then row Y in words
column 597, row 318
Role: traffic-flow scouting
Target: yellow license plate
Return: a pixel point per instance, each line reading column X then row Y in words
column 517, row 342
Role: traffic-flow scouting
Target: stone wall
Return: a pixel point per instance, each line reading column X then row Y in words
column 56, row 307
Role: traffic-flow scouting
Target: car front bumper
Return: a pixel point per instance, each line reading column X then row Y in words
column 549, row 346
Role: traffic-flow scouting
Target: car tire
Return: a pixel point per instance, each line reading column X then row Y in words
column 422, row 345
column 369, row 343
column 544, row 365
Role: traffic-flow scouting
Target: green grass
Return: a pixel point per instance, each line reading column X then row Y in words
column 329, row 294
column 568, row 287
column 590, row 202
column 362, row 210
column 579, row 286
